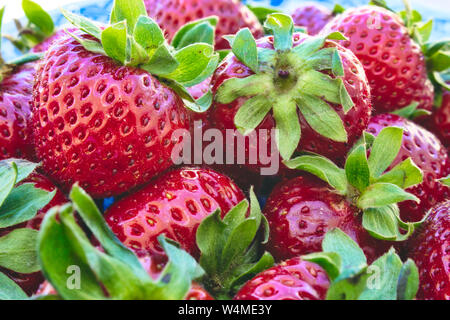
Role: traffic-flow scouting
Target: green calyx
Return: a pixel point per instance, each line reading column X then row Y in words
column 18, row 204
column 133, row 39
column 116, row 273
column 368, row 186
column 411, row 111
column 230, row 248
column 39, row 27
column 351, row 278
column 305, row 78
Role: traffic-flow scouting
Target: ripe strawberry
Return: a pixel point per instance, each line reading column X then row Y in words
column 264, row 94
column 294, row 279
column 428, row 154
column 233, row 15
column 430, row 250
column 439, row 122
column 392, row 58
column 107, row 121
column 174, row 205
column 360, row 200
column 313, row 16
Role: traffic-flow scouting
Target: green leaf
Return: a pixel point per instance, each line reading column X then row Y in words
column 148, row 34
column 288, row 132
column 247, row 271
column 336, row 65
column 423, row 31
column 244, row 48
column 386, row 271
column 36, row 15
column 322, row 117
column 89, row 45
column 329, row 261
column 323, row 169
column 209, row 237
column 251, row 114
column 282, row 28
column 84, row 24
column 262, row 12
column 234, row 88
column 440, row 62
column 115, row 42
column 8, row 177
column 24, row 168
column 384, row 150
column 309, row 47
column 411, row 112
column 382, row 223
column 348, row 288
column 353, row 260
column 383, row 194
column 344, row 97
column 357, row 168
column 18, row 251
column 406, row 174
column 193, row 60
column 129, row 11
column 436, row 76
column 162, row 62
column 338, row 9
column 408, row 282
column 22, row 204
column 445, row 181
column 9, row 290
column 202, row 30
column 319, row 85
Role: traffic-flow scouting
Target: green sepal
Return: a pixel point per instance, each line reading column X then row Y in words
column 336, row 65
column 18, row 251
column 162, row 62
column 445, row 181
column 230, row 253
column 262, row 12
column 329, row 261
column 202, row 30
column 288, row 130
column 381, row 194
column 115, row 42
column 337, row 9
column 408, row 282
column 243, row 45
column 404, row 175
column 322, row 168
column 384, row 223
column 39, row 17
column 251, row 114
column 282, row 28
column 25, row 58
column 88, row 44
column 148, row 35
column 234, row 88
column 411, row 112
column 357, row 168
column 9, row 290
column 90, row 27
column 8, row 178
column 24, row 168
column 129, row 11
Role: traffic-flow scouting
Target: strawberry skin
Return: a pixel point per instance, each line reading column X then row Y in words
column 175, row 204
column 428, row 154
column 312, row 16
column 394, row 63
column 302, row 210
column 294, row 279
column 439, row 122
column 105, row 126
column 430, row 250
column 355, row 121
column 233, row 16
column 30, row 282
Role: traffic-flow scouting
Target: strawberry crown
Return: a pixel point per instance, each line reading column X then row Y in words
column 367, row 185
column 115, row 273
column 285, row 79
column 388, row 278
column 39, row 27
column 230, row 248
column 133, row 39
column 19, row 202
column 437, row 53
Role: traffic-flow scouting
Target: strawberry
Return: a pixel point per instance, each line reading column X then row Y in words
column 314, row 16
column 261, row 85
column 174, row 205
column 429, row 249
column 360, row 199
column 233, row 15
column 293, row 279
column 32, row 196
column 389, row 48
column 439, row 123
column 428, row 154
column 104, row 117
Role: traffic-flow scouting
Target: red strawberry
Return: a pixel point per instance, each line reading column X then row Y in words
column 107, row 122
column 439, row 123
column 313, row 16
column 393, row 61
column 294, row 279
column 428, row 154
column 174, row 205
column 248, row 101
column 302, row 210
column 233, row 15
column 430, row 250
column 30, row 282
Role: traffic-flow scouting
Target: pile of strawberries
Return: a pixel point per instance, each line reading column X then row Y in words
column 359, row 108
